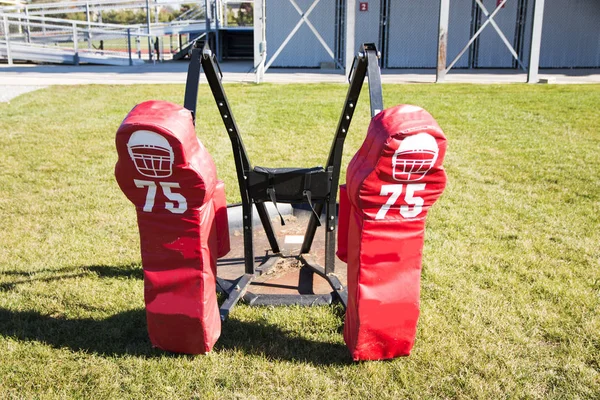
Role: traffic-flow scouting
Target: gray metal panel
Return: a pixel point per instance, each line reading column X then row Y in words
column 493, row 53
column 459, row 29
column 368, row 25
column 304, row 49
column 571, row 34
column 413, row 33
column 527, row 34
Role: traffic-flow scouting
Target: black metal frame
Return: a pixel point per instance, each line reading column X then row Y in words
column 365, row 64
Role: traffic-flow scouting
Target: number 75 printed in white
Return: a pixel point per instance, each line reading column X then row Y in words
column 394, row 192
column 178, row 203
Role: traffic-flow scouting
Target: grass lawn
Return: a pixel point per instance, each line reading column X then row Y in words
column 511, row 267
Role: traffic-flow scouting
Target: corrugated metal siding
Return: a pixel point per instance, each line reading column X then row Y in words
column 459, row 31
column 413, row 32
column 368, row 25
column 571, row 34
column 524, row 54
column 304, row 49
column 493, row 53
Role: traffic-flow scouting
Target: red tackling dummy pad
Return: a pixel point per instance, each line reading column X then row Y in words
column 171, row 179
column 392, row 181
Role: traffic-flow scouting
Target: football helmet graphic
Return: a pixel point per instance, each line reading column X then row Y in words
column 151, row 154
column 415, row 157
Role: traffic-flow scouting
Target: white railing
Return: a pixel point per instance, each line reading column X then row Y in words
column 83, row 6
column 88, row 41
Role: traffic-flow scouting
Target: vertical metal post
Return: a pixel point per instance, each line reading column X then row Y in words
column 443, row 40
column 207, row 17
column 75, row 45
column 160, row 56
column 44, row 24
column 536, row 41
column 129, row 46
column 27, row 25
column 7, row 38
column 260, row 40
column 89, row 32
column 148, row 29
column 217, row 5
column 350, row 34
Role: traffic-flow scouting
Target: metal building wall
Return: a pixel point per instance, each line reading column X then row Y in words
column 413, row 32
column 368, row 25
column 459, row 30
column 304, row 49
column 571, row 34
column 492, row 53
column 524, row 53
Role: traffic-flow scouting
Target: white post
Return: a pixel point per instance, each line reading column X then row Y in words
column 443, row 40
column 27, row 26
column 150, row 50
column 159, row 45
column 350, row 33
column 536, row 41
column 89, row 33
column 260, row 39
column 7, row 38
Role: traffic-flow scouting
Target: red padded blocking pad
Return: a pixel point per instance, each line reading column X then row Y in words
column 343, row 221
column 391, row 183
column 221, row 220
column 171, row 179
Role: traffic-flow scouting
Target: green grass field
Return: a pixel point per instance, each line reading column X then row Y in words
column 511, row 267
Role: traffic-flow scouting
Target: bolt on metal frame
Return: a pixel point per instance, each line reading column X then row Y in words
column 365, row 64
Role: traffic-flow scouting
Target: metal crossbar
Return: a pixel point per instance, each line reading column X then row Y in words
column 489, row 21
column 303, row 20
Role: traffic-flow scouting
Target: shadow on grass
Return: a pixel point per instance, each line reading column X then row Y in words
column 6, row 286
column 125, row 334
column 131, row 271
column 262, row 339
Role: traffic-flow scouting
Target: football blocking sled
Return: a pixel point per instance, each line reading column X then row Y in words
column 392, row 181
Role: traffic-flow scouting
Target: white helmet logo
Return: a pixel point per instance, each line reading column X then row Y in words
column 151, row 154
column 416, row 155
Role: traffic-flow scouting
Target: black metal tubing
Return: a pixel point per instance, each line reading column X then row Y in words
column 374, row 74
column 234, row 293
column 242, row 162
column 191, row 86
column 366, row 64
column 290, row 300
